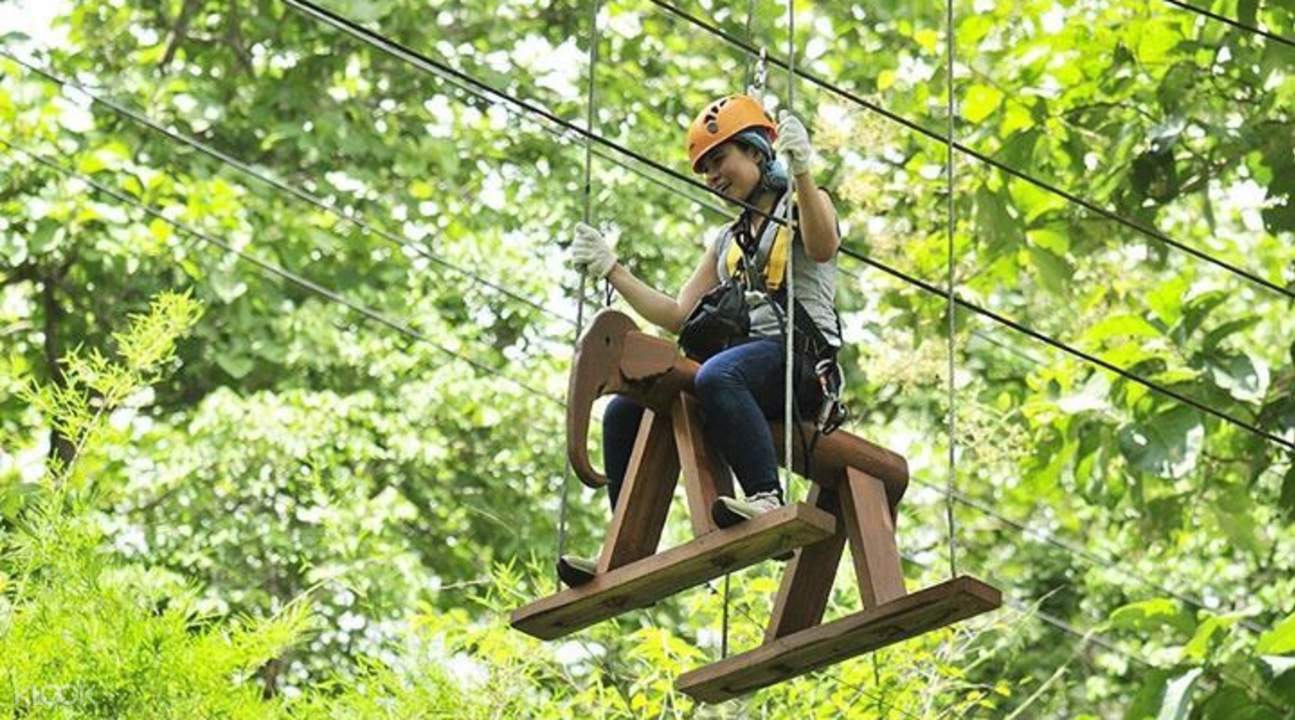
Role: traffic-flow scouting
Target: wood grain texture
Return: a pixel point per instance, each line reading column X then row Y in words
column 830, row 643
column 705, row 476
column 644, row 501
column 666, row 573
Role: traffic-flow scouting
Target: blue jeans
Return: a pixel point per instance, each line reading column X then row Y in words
column 739, row 390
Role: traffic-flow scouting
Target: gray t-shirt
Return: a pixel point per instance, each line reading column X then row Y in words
column 815, row 282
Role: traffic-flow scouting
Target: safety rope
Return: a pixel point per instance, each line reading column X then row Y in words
column 590, row 109
column 756, row 75
column 788, row 389
column 952, row 309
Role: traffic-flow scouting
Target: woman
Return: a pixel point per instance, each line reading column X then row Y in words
column 732, row 142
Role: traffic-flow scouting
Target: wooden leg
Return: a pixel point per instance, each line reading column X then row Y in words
column 807, row 581
column 644, row 500
column 705, row 475
column 866, row 514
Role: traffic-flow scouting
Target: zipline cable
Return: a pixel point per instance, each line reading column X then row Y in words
column 756, row 74
column 1130, row 223
column 269, row 267
column 309, row 198
column 1234, row 23
column 1083, row 355
column 350, row 218
column 427, row 64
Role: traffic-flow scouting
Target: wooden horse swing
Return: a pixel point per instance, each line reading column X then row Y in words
column 854, row 499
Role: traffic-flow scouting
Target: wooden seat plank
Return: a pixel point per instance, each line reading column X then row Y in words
column 822, row 645
column 645, row 581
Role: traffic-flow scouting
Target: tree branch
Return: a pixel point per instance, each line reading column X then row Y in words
column 179, row 32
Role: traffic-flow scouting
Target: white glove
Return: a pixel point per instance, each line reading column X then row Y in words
column 590, row 250
column 793, row 143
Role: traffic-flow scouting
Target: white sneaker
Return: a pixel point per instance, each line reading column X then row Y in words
column 727, row 511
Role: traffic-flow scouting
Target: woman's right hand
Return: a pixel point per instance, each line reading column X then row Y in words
column 589, row 250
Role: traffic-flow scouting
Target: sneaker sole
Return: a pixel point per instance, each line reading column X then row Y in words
column 573, row 576
column 723, row 516
column 726, row 518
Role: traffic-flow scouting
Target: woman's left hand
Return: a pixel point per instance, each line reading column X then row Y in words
column 793, row 143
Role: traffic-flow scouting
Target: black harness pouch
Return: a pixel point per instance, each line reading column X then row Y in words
column 721, row 318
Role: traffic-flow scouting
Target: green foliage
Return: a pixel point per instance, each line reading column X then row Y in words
column 85, row 635
column 1221, row 670
column 290, row 447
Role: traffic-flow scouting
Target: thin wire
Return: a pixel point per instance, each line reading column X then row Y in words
column 788, row 388
column 588, row 216
column 429, row 65
column 750, row 35
column 314, row 200
column 1083, row 355
column 952, row 308
column 1136, row 225
column 1082, row 553
column 724, row 619
column 288, row 275
column 1234, row 23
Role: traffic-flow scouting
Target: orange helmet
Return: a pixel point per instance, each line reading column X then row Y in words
column 723, row 119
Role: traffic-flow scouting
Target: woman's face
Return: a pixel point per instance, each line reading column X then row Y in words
column 732, row 170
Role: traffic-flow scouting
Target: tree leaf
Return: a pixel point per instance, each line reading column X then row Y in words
column 1018, row 150
column 980, row 102
column 1055, row 273
column 1177, row 702
column 1166, row 301
column 1278, row 641
column 1243, row 376
column 993, row 219
column 1247, row 11
column 237, row 365
column 1167, row 445
column 1207, row 637
column 1122, row 325
column 1288, row 493
column 1234, row 512
column 1197, row 309
column 1152, row 615
column 1216, row 336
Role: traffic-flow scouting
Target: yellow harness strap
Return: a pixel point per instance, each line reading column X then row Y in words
column 775, row 268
